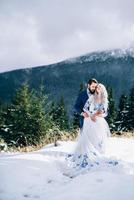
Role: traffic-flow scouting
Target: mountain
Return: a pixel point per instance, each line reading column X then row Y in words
column 114, row 68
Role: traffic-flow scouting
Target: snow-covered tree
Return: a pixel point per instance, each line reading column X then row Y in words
column 112, row 113
column 1, row 114
column 131, row 109
column 122, row 123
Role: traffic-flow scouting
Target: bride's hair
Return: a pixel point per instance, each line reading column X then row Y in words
column 102, row 97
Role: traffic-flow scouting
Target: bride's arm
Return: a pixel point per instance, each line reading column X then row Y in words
column 101, row 113
column 105, row 105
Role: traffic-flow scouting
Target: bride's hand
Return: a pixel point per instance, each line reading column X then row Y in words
column 94, row 117
column 99, row 112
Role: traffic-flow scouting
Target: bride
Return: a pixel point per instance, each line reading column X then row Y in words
column 91, row 142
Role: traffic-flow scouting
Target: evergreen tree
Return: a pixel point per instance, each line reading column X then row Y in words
column 131, row 109
column 40, row 120
column 2, row 120
column 26, row 120
column 112, row 113
column 75, row 120
column 17, row 116
column 59, row 115
column 122, row 123
column 53, row 111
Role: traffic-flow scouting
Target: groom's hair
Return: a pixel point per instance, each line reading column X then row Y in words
column 92, row 80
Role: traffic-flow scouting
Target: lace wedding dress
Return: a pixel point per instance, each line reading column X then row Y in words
column 90, row 147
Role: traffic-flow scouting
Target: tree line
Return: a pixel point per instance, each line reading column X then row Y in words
column 27, row 119
column 121, row 118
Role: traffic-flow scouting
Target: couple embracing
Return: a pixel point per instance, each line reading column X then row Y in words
column 90, row 145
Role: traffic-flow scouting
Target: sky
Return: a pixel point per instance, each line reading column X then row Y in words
column 41, row 32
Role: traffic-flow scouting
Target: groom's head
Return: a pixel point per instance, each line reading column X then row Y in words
column 92, row 83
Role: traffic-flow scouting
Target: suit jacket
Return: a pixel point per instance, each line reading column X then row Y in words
column 79, row 105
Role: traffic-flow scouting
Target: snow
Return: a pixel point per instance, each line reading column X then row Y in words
column 103, row 55
column 37, row 175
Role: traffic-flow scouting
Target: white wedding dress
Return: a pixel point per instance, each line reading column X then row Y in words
column 89, row 151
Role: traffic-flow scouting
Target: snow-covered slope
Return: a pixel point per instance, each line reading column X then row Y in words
column 103, row 55
column 37, row 175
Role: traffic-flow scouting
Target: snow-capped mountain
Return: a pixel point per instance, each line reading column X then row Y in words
column 103, row 55
column 114, row 68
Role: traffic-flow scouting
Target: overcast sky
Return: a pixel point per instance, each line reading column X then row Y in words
column 40, row 32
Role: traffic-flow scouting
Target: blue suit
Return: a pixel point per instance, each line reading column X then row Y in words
column 79, row 105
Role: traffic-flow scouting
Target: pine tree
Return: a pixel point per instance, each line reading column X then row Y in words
column 26, row 119
column 131, row 109
column 112, row 113
column 75, row 119
column 40, row 120
column 17, row 115
column 1, row 118
column 122, row 117
column 53, row 111
column 60, row 115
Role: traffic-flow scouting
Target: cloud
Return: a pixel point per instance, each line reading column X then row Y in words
column 41, row 32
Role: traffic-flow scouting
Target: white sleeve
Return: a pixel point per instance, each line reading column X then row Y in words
column 105, row 105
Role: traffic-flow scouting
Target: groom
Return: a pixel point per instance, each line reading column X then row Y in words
column 81, row 100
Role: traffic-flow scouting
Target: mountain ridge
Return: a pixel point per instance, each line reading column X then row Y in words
column 114, row 68
column 105, row 54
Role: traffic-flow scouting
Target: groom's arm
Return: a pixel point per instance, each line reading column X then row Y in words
column 78, row 107
column 78, row 104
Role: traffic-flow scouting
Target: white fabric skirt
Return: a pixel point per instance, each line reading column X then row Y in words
column 93, row 135
column 90, row 148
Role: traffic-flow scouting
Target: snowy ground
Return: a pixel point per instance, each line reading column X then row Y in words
column 37, row 175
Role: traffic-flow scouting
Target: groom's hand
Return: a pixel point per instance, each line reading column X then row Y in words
column 84, row 114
